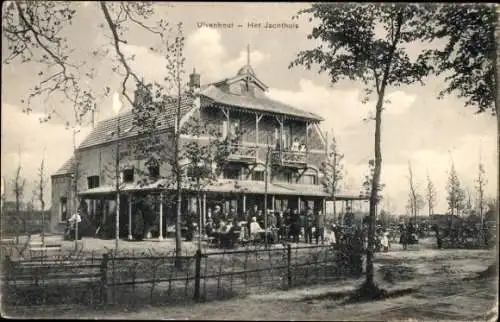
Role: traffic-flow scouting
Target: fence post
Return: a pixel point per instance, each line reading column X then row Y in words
column 104, row 278
column 197, row 275
column 289, row 263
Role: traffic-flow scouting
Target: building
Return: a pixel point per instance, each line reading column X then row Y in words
column 235, row 102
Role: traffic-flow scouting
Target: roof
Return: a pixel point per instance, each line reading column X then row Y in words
column 68, row 167
column 256, row 103
column 104, row 130
column 249, row 187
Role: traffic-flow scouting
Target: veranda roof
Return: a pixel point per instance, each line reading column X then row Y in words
column 226, row 186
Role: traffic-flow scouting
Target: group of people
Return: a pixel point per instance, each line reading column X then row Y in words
column 276, row 226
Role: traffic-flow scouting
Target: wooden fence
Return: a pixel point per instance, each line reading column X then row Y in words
column 149, row 277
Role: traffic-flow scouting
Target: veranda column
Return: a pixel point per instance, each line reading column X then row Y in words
column 130, row 216
column 244, row 203
column 272, row 203
column 298, row 203
column 160, row 236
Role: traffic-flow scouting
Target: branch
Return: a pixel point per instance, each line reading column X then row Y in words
column 116, row 42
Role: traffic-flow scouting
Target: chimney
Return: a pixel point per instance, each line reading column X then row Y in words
column 194, row 81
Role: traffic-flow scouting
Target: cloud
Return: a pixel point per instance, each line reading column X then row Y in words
column 35, row 141
column 208, row 55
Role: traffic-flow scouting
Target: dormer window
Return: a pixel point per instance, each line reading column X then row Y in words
column 154, row 171
column 153, row 167
column 128, row 175
column 93, row 182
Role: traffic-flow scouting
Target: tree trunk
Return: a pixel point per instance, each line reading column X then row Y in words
column 374, row 192
column 334, row 209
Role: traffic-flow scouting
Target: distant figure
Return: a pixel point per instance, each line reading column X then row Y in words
column 320, row 227
column 384, row 241
column 302, row 148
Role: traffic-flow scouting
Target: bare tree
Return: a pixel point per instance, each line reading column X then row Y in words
column 332, row 170
column 430, row 195
column 40, row 187
column 412, row 193
column 456, row 194
column 18, row 184
column 481, row 182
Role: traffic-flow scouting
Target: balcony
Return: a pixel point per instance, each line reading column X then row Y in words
column 289, row 158
column 243, row 153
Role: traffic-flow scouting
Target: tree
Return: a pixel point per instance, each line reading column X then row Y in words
column 481, row 182
column 333, row 172
column 430, row 195
column 412, row 200
column 40, row 187
column 205, row 159
column 18, row 184
column 35, row 33
column 456, row 195
column 468, row 57
column 379, row 60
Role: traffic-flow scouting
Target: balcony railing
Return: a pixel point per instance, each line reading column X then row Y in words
column 243, row 153
column 289, row 158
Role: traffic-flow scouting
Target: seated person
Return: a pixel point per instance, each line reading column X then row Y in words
column 255, row 228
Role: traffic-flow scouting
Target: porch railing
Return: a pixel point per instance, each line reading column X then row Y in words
column 289, row 158
column 243, row 153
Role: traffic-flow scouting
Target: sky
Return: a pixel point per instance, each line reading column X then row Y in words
column 416, row 126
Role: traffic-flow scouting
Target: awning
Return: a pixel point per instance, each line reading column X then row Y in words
column 226, row 186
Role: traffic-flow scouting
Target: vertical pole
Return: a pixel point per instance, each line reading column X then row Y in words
column 288, row 264
column 197, row 275
column 160, row 236
column 117, row 169
column 298, row 204
column 204, row 209
column 130, row 216
column 244, row 203
column 104, row 278
column 256, row 129
column 273, row 203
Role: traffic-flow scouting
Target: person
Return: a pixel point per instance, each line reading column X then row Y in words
column 330, row 237
column 384, row 242
column 217, row 215
column 320, row 227
column 295, row 144
column 404, row 236
column 308, row 229
column 260, row 218
column 255, row 228
column 280, row 223
column 295, row 225
column 302, row 148
column 271, row 219
column 74, row 224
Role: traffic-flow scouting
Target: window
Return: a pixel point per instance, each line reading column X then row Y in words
column 191, row 173
column 93, row 182
column 308, row 179
column 154, row 171
column 63, row 215
column 284, row 177
column 258, row 176
column 231, row 173
column 128, row 175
